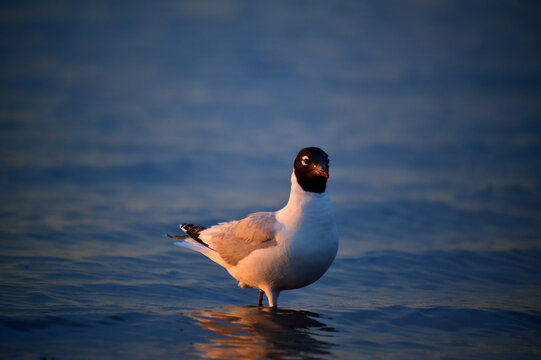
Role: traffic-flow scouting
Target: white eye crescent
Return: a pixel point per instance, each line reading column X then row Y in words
column 305, row 160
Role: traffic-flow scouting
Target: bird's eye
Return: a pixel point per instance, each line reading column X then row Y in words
column 305, row 160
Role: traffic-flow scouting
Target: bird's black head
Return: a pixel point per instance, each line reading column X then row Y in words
column 312, row 169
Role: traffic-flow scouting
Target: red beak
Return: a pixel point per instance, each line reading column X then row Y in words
column 322, row 172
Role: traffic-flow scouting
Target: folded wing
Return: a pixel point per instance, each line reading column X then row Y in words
column 234, row 240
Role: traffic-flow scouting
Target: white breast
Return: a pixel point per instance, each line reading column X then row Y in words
column 310, row 236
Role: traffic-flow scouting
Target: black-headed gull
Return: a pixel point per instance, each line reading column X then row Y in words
column 282, row 250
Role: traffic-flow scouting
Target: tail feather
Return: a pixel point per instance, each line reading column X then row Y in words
column 191, row 244
column 182, row 237
column 202, row 248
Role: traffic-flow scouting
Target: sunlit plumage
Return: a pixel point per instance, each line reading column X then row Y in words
column 282, row 250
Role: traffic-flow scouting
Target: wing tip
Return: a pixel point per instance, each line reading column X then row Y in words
column 193, row 232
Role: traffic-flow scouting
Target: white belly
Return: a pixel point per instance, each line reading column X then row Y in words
column 307, row 264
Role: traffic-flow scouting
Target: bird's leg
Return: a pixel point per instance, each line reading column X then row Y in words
column 272, row 296
column 260, row 300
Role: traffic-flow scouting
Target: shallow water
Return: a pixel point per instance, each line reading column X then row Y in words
column 382, row 305
column 118, row 123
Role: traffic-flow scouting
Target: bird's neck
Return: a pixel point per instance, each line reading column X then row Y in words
column 302, row 203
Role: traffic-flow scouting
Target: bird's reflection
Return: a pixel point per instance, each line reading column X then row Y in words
column 254, row 332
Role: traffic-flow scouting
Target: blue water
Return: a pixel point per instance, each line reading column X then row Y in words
column 118, row 122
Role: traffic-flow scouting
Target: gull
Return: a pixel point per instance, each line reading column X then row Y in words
column 281, row 250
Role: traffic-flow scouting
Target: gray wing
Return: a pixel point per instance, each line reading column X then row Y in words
column 235, row 240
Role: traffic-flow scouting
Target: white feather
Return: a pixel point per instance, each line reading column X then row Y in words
column 208, row 252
